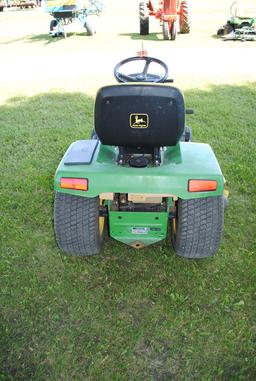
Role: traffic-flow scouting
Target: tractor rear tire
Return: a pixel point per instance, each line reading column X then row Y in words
column 184, row 17
column 197, row 228
column 166, row 31
column 144, row 18
column 78, row 227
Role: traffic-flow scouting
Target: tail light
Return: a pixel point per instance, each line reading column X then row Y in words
column 74, row 183
column 202, row 185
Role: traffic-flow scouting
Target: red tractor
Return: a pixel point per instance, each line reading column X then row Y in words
column 174, row 17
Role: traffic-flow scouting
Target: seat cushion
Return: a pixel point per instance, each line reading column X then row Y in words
column 139, row 115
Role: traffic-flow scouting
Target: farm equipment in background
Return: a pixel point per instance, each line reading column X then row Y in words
column 239, row 27
column 66, row 12
column 17, row 4
column 174, row 16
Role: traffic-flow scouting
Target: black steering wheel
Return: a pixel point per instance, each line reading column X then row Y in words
column 144, row 76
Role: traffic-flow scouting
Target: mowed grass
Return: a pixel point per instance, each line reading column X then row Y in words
column 124, row 314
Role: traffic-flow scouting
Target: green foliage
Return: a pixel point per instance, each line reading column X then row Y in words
column 126, row 314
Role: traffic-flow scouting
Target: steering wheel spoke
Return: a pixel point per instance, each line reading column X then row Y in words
column 125, row 78
column 146, row 67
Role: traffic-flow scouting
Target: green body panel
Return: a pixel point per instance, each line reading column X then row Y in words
column 181, row 163
column 238, row 21
column 138, row 228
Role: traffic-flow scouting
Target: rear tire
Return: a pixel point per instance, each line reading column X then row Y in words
column 197, row 229
column 78, row 227
column 184, row 17
column 144, row 19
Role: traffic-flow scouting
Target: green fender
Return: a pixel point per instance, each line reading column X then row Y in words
column 179, row 164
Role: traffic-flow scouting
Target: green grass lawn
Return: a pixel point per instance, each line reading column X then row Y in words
column 125, row 314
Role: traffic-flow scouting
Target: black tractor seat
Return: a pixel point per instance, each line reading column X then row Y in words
column 139, row 119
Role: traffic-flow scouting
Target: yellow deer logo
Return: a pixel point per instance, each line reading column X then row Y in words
column 139, row 120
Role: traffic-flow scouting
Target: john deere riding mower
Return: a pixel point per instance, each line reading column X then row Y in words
column 240, row 26
column 139, row 178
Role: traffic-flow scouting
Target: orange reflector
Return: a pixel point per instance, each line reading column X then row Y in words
column 202, row 185
column 72, row 183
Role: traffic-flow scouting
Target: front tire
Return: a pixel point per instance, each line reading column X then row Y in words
column 197, row 228
column 166, row 30
column 144, row 19
column 78, row 227
column 174, row 30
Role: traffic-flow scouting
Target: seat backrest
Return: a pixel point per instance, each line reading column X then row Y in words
column 139, row 115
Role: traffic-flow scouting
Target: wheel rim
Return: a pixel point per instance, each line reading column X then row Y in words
column 101, row 223
column 174, row 226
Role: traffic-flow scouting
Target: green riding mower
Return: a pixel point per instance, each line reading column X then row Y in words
column 238, row 27
column 140, row 179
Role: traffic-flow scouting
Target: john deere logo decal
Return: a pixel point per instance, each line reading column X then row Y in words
column 139, row 120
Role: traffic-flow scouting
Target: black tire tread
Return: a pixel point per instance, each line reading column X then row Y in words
column 144, row 19
column 199, row 227
column 53, row 24
column 184, row 17
column 76, row 223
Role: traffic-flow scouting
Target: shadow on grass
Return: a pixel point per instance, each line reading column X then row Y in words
column 124, row 314
column 46, row 38
column 11, row 41
column 216, row 37
column 31, row 38
column 49, row 39
column 42, row 37
column 149, row 37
